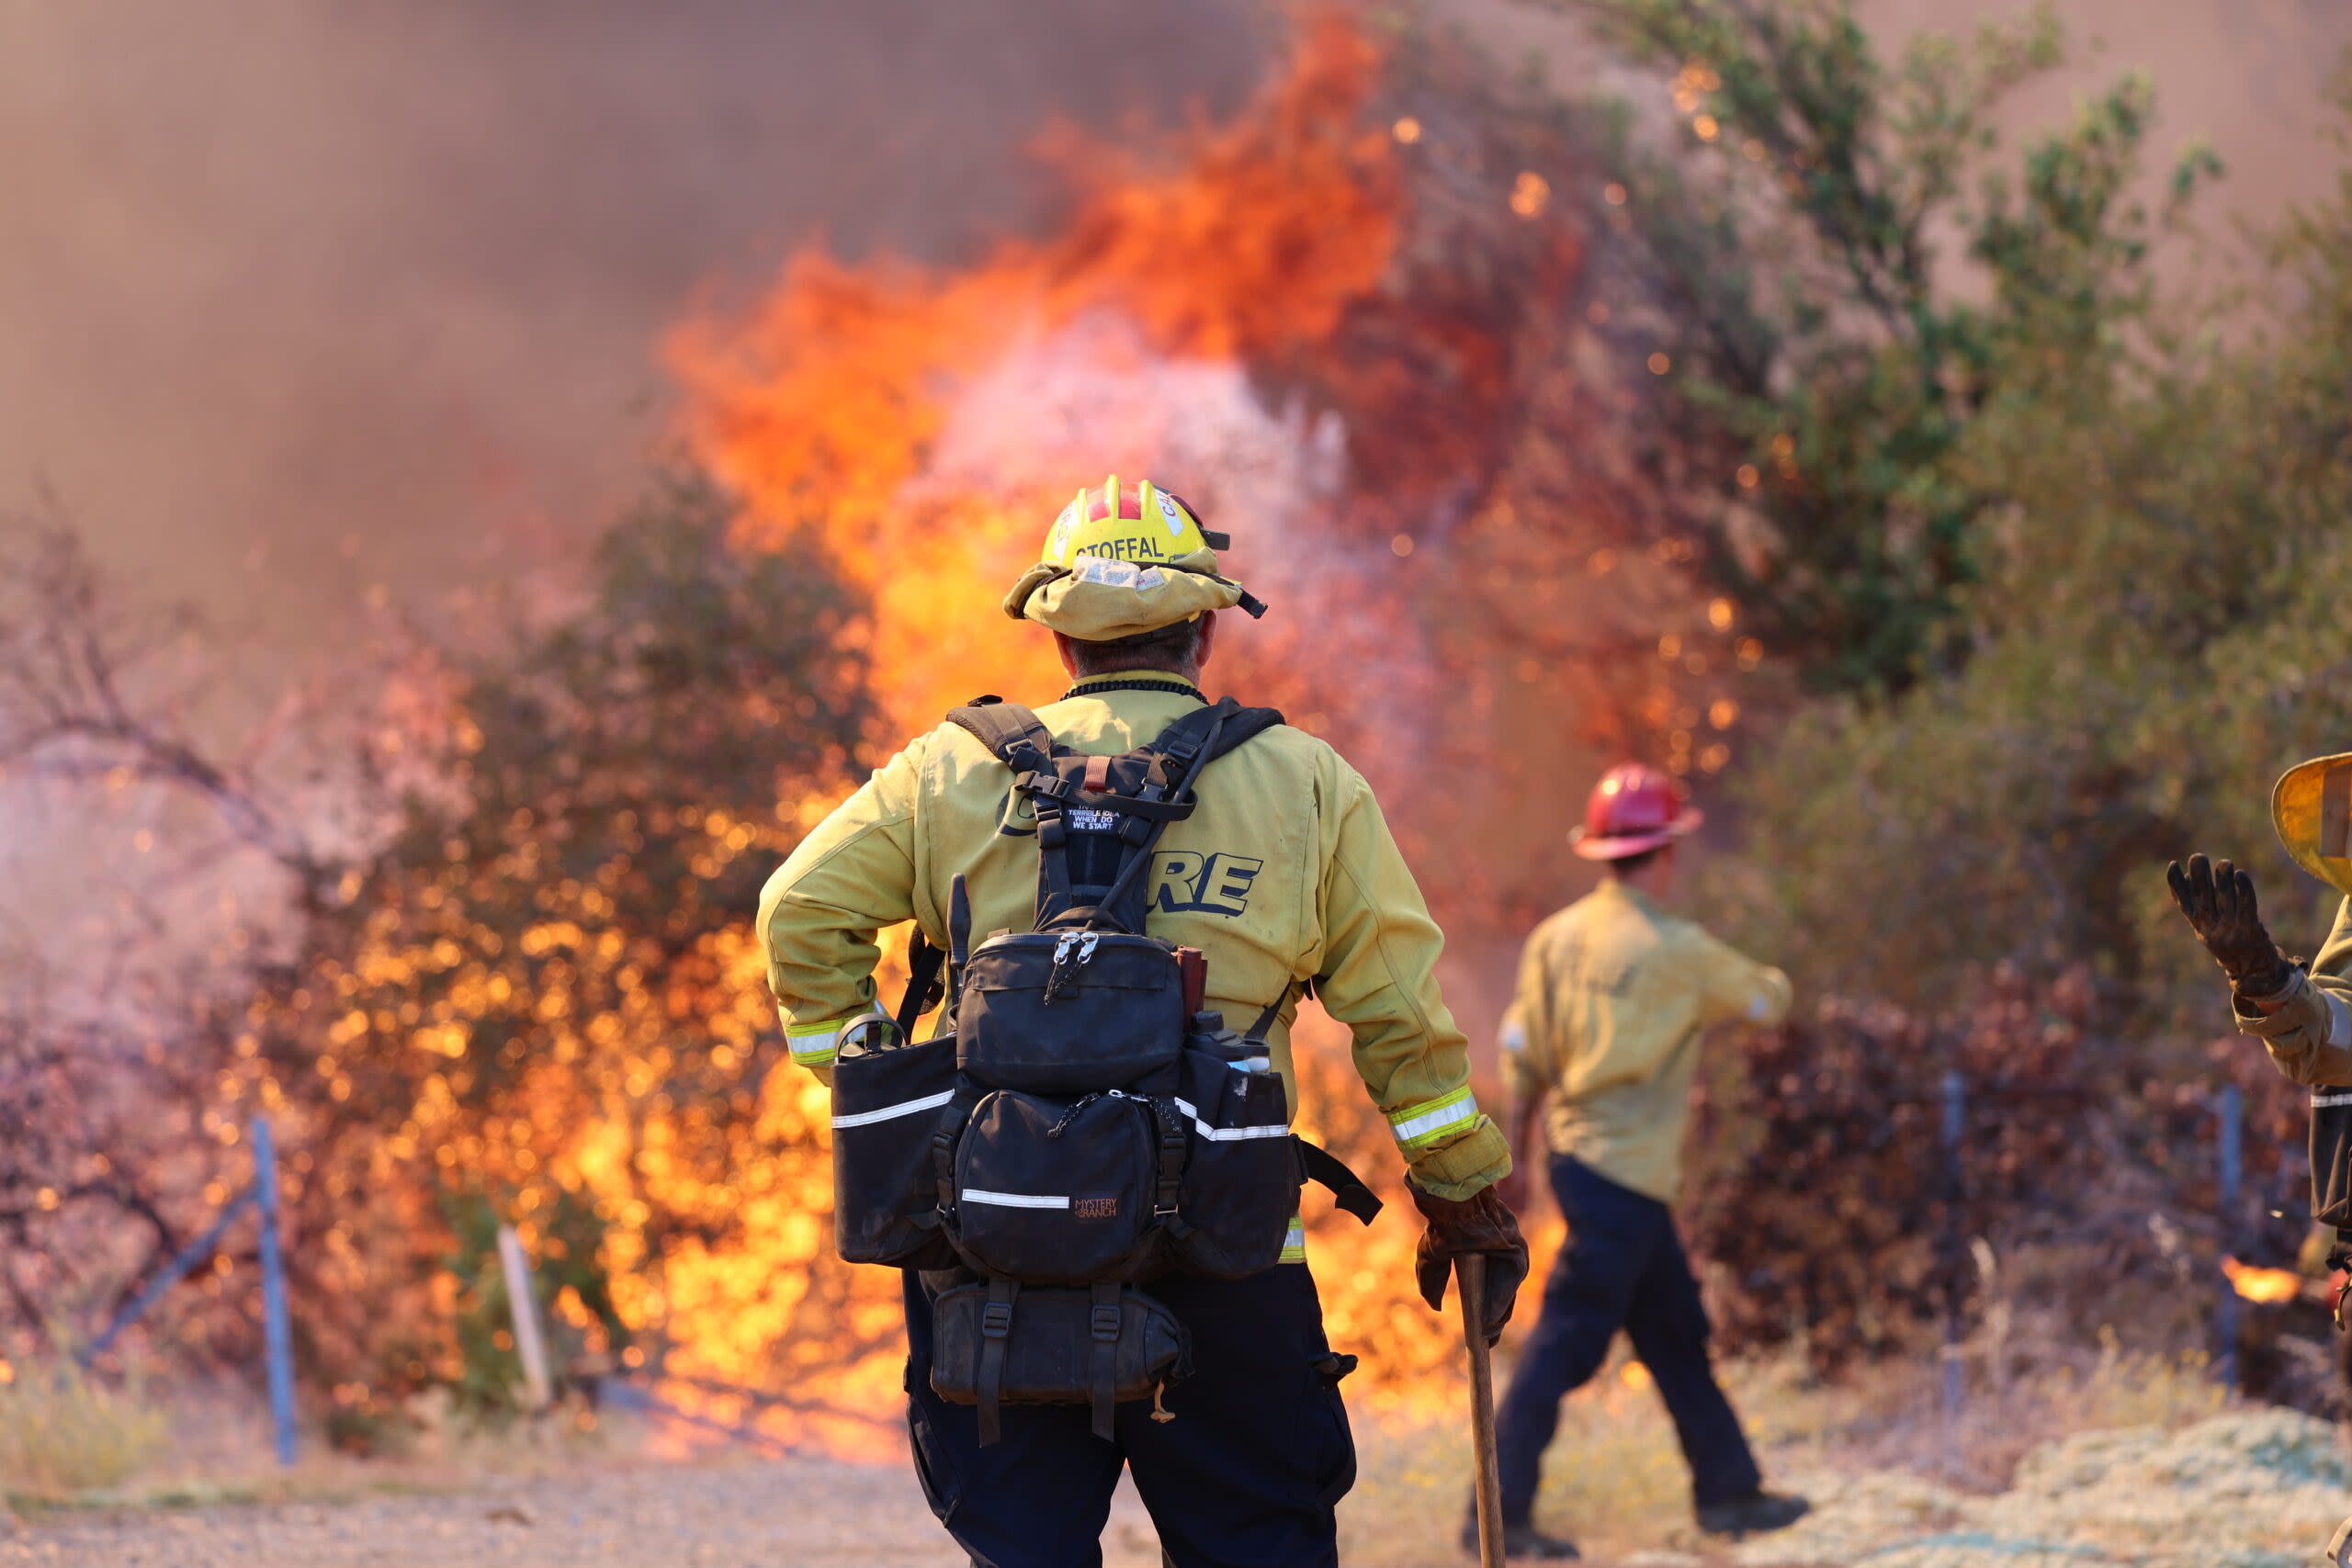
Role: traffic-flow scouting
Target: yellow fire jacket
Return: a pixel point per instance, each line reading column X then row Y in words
column 2310, row 1034
column 1285, row 873
column 1613, row 996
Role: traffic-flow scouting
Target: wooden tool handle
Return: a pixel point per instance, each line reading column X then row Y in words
column 1470, row 1268
column 1193, row 966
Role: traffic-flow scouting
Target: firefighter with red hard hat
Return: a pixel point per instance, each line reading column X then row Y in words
column 1613, row 996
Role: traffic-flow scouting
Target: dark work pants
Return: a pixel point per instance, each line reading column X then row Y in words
column 1623, row 1268
column 1248, row 1475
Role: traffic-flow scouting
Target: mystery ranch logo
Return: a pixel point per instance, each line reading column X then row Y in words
column 1187, row 884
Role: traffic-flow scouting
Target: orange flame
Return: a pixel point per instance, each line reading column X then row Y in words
column 925, row 426
column 929, row 427
column 2268, row 1286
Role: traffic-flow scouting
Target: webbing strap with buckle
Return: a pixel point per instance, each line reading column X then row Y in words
column 1348, row 1190
column 944, row 1138
column 1102, row 1376
column 925, row 987
column 996, row 1336
column 1175, row 1150
column 1256, row 1032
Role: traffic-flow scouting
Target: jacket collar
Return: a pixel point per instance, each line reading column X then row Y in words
column 1134, row 679
column 1611, row 887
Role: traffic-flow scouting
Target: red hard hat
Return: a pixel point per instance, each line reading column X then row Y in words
column 1633, row 808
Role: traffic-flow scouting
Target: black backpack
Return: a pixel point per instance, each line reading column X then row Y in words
column 1076, row 1124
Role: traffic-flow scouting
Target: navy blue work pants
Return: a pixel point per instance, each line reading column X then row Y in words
column 1248, row 1475
column 1623, row 1268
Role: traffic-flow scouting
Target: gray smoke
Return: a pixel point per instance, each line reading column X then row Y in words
column 301, row 298
column 2249, row 75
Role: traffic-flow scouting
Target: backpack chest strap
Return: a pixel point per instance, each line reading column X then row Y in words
column 1136, row 794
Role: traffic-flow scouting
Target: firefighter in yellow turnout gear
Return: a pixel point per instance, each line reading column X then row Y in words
column 1283, row 875
column 1600, row 1044
column 2303, row 1014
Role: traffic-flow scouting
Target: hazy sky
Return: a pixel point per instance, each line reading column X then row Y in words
column 300, row 295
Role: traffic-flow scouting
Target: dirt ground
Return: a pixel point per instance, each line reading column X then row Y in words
column 2186, row 1479
column 782, row 1514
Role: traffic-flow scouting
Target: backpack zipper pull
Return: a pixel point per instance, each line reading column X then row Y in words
column 1057, row 977
column 1070, row 1115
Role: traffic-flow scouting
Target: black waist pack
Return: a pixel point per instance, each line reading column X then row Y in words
column 997, row 1342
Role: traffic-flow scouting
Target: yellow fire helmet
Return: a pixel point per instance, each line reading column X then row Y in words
column 2312, row 809
column 1123, row 560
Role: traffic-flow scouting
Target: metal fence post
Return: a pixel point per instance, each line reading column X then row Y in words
column 277, row 1341
column 523, row 1307
column 1955, row 1110
column 2231, row 1111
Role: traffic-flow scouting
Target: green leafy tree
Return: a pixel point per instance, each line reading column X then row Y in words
column 1826, row 361
column 2156, row 633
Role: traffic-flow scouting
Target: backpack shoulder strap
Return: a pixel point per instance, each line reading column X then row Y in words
column 1013, row 734
column 1205, row 734
column 1242, row 724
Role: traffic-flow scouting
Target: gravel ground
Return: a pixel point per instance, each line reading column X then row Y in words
column 2258, row 1489
column 780, row 1515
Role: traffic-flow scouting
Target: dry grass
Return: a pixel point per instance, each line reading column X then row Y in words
column 1614, row 1478
column 62, row 1432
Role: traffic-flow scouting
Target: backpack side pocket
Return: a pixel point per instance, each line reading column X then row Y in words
column 1242, row 1182
column 887, row 1105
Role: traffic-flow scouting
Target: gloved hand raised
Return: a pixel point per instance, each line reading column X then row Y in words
column 2218, row 902
column 1480, row 1224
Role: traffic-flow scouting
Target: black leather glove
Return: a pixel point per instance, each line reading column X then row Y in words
column 2218, row 901
column 1480, row 1225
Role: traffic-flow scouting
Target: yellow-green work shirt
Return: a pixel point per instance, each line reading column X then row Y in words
column 1285, row 873
column 1613, row 996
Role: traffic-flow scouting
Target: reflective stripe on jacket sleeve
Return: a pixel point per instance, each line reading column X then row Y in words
column 1379, row 978
column 812, row 1044
column 1432, row 1122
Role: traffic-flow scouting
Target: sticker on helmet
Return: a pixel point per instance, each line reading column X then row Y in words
column 1058, row 540
column 1174, row 513
column 1113, row 573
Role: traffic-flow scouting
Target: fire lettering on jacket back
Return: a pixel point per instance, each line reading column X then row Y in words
column 1185, row 883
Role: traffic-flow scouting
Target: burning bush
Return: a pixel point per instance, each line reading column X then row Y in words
column 546, row 991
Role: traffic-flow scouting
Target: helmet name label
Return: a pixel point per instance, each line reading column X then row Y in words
column 1125, row 547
